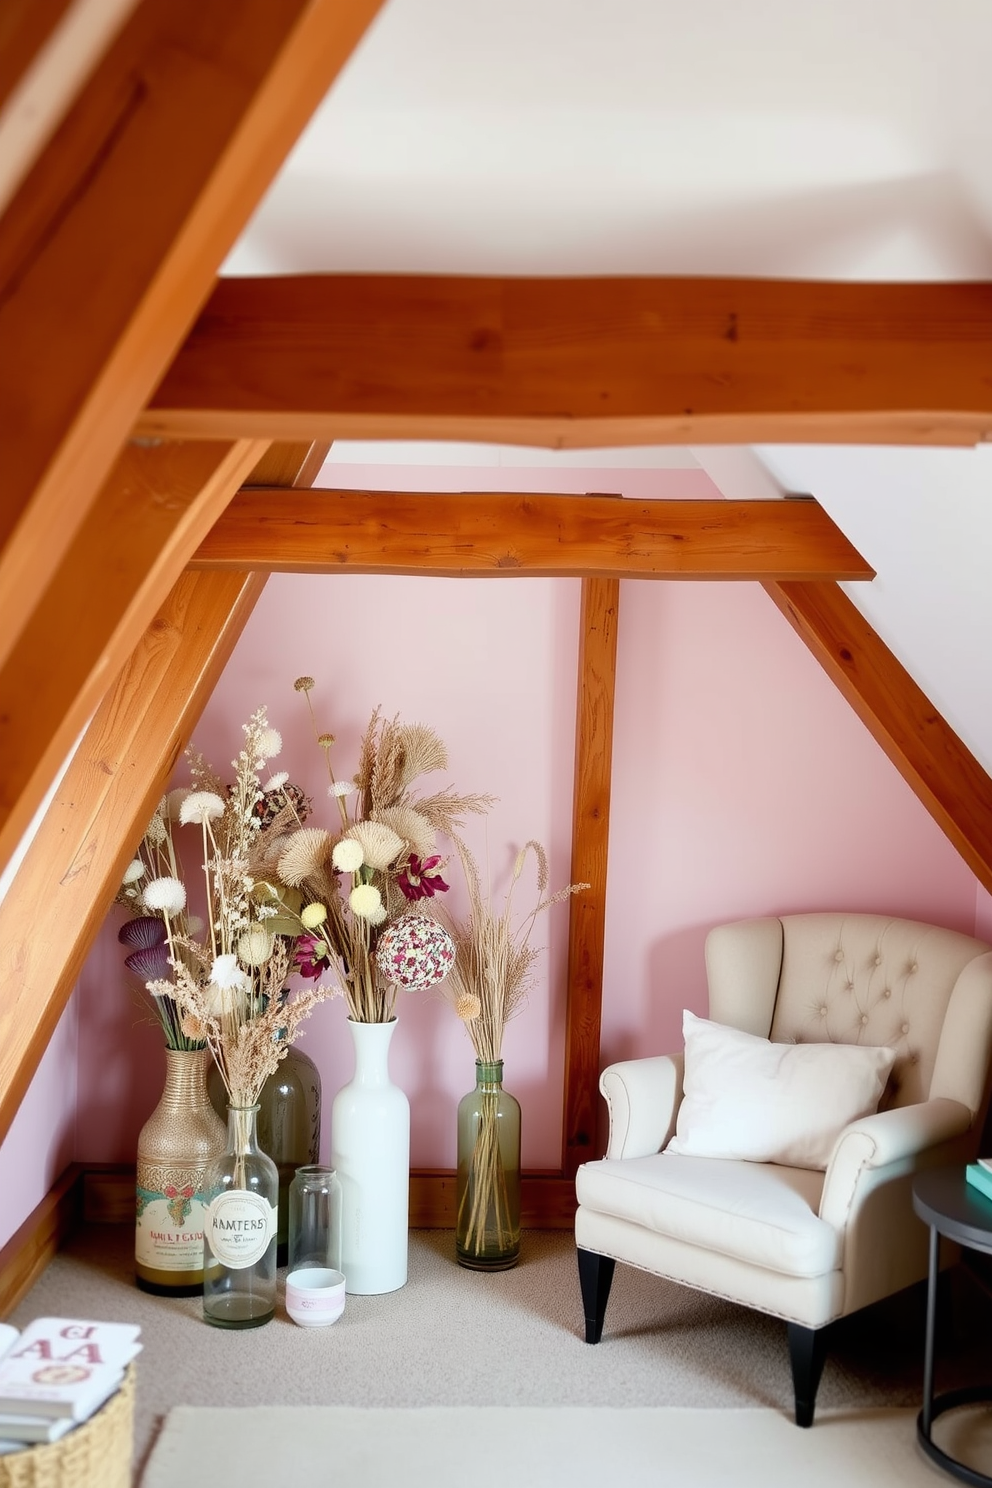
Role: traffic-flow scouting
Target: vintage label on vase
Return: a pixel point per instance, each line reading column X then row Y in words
column 239, row 1227
column 170, row 1211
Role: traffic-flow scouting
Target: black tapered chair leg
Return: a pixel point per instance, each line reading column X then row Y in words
column 807, row 1354
column 595, row 1279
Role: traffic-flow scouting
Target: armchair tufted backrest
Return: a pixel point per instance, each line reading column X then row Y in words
column 863, row 979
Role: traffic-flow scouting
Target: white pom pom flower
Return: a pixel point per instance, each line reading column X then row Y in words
column 200, row 807
column 366, row 901
column 347, row 856
column 164, row 896
column 227, row 974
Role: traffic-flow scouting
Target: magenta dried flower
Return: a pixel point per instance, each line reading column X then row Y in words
column 422, row 880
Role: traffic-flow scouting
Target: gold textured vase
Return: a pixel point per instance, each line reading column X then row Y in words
column 181, row 1137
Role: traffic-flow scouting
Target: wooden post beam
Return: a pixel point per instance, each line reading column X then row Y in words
column 590, row 838
column 925, row 750
column 111, row 244
column 74, row 864
column 479, row 535
column 572, row 362
column 155, row 506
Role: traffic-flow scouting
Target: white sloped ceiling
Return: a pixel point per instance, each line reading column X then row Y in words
column 850, row 140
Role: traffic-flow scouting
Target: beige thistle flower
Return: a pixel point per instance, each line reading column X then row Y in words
column 380, row 845
column 304, row 855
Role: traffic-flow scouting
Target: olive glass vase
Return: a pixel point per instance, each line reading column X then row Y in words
column 487, row 1226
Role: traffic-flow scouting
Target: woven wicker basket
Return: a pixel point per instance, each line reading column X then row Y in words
column 96, row 1454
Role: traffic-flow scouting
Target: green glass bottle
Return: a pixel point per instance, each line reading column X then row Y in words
column 487, row 1228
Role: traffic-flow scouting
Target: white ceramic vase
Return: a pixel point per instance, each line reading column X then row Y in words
column 370, row 1151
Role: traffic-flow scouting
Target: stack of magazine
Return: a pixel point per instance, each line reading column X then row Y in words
column 56, row 1374
column 979, row 1175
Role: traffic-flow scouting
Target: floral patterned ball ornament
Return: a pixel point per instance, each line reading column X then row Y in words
column 415, row 952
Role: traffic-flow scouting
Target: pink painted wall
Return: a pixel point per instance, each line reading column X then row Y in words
column 743, row 784
column 41, row 1140
column 492, row 667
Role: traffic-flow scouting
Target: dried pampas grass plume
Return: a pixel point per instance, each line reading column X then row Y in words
column 422, row 751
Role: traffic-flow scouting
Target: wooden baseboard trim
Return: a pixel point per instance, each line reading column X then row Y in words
column 30, row 1248
column 103, row 1193
column 547, row 1199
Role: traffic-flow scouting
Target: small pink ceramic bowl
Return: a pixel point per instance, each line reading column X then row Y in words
column 315, row 1296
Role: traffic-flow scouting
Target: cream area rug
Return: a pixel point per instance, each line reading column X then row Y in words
column 492, row 1446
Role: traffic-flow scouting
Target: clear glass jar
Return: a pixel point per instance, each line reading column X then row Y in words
column 315, row 1218
column 487, row 1228
column 239, row 1231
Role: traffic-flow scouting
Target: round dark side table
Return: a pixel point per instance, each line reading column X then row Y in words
column 951, row 1206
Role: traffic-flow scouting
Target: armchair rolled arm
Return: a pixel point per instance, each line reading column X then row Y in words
column 889, row 1138
column 643, row 1098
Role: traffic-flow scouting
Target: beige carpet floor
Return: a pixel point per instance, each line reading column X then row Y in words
column 457, row 1338
column 538, row 1447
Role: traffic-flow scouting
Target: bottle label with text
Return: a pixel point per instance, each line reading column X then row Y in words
column 239, row 1227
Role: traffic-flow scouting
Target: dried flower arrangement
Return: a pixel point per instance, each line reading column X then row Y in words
column 487, row 985
column 147, row 934
column 226, row 988
column 362, row 882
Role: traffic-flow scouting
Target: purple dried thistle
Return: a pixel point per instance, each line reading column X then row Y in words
column 149, row 963
column 143, row 932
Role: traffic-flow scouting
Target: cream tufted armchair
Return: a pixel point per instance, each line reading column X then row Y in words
column 805, row 1245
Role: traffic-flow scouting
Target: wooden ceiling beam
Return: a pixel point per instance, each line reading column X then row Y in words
column 112, row 242
column 74, row 865
column 925, row 750
column 478, row 535
column 152, row 511
column 573, row 362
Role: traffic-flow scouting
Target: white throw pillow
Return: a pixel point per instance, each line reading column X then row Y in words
column 746, row 1097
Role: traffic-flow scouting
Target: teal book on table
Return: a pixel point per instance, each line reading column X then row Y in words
column 980, row 1177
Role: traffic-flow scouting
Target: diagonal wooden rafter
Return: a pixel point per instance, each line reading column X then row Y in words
column 25, row 28
column 480, row 534
column 75, row 862
column 112, row 242
column 47, row 50
column 155, row 506
column 573, row 362
column 921, row 744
